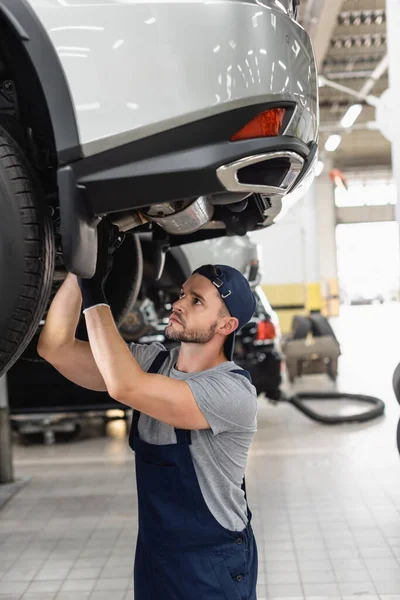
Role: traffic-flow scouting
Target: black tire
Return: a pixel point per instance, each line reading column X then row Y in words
column 398, row 436
column 320, row 326
column 396, row 382
column 301, row 327
column 26, row 252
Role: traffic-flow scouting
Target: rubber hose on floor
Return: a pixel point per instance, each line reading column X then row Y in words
column 378, row 407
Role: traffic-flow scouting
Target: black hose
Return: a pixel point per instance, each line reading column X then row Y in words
column 377, row 410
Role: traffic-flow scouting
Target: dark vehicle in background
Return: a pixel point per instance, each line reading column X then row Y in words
column 258, row 348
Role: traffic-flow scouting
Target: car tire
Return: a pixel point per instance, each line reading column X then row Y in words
column 398, row 436
column 301, row 327
column 320, row 326
column 27, row 252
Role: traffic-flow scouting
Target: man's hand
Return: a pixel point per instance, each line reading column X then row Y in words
column 109, row 239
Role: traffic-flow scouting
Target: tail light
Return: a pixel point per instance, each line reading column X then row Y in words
column 266, row 124
column 265, row 331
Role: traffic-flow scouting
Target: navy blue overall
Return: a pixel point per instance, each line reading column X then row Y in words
column 182, row 552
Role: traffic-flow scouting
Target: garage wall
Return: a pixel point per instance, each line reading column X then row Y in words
column 290, row 271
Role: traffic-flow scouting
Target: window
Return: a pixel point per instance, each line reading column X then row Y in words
column 367, row 192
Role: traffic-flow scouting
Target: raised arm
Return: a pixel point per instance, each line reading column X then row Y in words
column 58, row 345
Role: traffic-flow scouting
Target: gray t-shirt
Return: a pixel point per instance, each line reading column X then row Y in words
column 229, row 403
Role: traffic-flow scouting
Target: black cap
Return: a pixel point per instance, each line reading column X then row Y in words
column 235, row 291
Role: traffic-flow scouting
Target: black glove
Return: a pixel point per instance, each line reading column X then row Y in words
column 109, row 239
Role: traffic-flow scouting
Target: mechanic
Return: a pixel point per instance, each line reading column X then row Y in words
column 194, row 420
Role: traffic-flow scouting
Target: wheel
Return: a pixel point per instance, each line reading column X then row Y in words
column 123, row 283
column 301, row 327
column 398, row 436
column 139, row 321
column 396, row 383
column 149, row 309
column 26, row 252
column 321, row 326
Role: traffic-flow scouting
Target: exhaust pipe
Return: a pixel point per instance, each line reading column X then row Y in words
column 248, row 175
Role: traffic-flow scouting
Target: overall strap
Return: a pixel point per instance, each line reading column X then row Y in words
column 245, row 497
column 243, row 373
column 248, row 376
column 154, row 368
column 158, row 361
column 183, row 436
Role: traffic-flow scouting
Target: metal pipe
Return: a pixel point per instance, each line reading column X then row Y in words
column 363, row 94
column 375, row 75
column 368, row 98
column 6, row 465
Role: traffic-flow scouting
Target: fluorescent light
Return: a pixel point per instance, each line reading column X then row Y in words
column 72, row 49
column 319, row 168
column 333, row 142
column 351, row 115
column 118, row 44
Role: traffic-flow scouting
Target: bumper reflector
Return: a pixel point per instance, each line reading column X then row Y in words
column 266, row 124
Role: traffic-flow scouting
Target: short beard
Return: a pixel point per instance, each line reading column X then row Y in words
column 191, row 337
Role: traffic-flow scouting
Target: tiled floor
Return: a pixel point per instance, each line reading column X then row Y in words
column 325, row 500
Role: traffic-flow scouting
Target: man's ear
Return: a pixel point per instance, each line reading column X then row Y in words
column 230, row 325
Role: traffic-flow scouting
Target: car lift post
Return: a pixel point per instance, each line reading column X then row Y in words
column 6, row 464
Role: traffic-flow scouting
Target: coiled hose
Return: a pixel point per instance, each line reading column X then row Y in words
column 378, row 407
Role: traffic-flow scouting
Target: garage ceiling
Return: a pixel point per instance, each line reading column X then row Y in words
column 349, row 38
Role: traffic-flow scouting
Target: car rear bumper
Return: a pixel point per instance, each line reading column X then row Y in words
column 178, row 164
column 136, row 69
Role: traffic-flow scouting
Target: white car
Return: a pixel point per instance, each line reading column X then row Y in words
column 183, row 120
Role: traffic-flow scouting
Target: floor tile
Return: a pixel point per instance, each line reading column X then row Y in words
column 321, row 589
column 73, row 596
column 387, row 587
column 38, row 596
column 78, row 585
column 275, row 592
column 13, row 587
column 324, row 508
column 359, row 589
column 44, row 586
column 318, row 577
column 116, row 595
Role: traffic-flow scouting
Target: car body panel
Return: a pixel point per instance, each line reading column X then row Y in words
column 235, row 251
column 135, row 69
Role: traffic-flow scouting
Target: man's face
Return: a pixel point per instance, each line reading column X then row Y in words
column 198, row 314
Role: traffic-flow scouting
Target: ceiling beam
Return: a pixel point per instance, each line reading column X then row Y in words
column 320, row 19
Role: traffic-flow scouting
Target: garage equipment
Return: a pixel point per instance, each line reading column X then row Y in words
column 314, row 348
